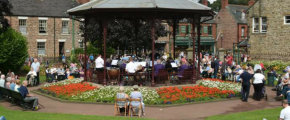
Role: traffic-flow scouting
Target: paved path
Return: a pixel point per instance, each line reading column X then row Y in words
column 183, row 112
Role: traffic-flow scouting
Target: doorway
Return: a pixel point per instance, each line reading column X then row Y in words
column 61, row 48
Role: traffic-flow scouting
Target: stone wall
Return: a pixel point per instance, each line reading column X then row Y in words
column 275, row 44
column 33, row 35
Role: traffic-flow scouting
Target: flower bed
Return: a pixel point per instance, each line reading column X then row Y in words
column 222, row 85
column 209, row 89
column 67, row 88
column 192, row 93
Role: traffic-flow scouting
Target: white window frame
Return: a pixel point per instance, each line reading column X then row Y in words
column 40, row 24
column 261, row 25
column 65, row 30
column 43, row 49
column 285, row 23
column 254, row 25
column 81, row 43
column 22, row 27
column 243, row 32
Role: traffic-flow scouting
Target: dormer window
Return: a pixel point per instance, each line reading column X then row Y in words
column 243, row 16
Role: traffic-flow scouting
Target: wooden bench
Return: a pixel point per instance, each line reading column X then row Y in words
column 162, row 76
column 15, row 98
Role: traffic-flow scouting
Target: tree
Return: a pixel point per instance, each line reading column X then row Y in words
column 13, row 50
column 123, row 34
column 217, row 4
column 4, row 10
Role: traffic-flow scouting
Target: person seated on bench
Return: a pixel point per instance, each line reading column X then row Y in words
column 12, row 84
column 28, row 97
column 17, row 86
column 53, row 72
column 157, row 67
column 2, row 81
column 122, row 95
column 137, row 95
column 7, row 83
column 60, row 73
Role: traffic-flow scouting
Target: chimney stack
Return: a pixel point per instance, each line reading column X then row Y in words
column 251, row 2
column 82, row 1
column 204, row 2
column 225, row 3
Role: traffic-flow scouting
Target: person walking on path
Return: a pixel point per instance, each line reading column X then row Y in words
column 258, row 84
column 246, row 77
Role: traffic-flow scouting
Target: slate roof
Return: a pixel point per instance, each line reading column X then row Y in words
column 236, row 11
column 42, row 8
column 140, row 4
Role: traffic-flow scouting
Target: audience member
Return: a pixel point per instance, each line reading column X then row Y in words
column 17, row 86
column 137, row 95
column 7, row 84
column 12, row 84
column 2, row 81
column 122, row 95
column 285, row 113
column 28, row 97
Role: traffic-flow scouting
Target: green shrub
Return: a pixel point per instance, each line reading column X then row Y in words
column 13, row 50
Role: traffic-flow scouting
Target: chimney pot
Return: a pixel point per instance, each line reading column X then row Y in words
column 204, row 2
column 251, row 2
column 225, row 3
column 82, row 1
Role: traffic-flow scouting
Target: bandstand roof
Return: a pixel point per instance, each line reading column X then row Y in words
column 142, row 8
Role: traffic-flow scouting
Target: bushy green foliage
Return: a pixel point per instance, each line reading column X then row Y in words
column 279, row 66
column 13, row 50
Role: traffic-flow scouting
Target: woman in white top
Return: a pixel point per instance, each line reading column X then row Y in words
column 258, row 84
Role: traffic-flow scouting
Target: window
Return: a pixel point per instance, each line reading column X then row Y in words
column 183, row 29
column 264, row 25
column 81, row 44
column 41, row 48
column 287, row 20
column 209, row 30
column 22, row 26
column 243, row 32
column 65, row 27
column 42, row 26
column 256, row 25
column 205, row 30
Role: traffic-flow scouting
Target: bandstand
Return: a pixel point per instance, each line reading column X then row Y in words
column 149, row 10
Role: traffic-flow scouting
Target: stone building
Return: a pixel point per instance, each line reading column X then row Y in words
column 269, row 24
column 231, row 25
column 47, row 27
column 208, row 35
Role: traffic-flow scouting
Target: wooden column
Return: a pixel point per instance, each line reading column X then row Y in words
column 153, row 49
column 105, row 26
column 174, row 36
column 193, row 48
column 85, row 43
column 198, row 42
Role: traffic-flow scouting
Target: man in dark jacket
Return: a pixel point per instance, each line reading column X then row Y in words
column 246, row 77
column 216, row 67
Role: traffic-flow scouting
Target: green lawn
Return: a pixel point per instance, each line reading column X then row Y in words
column 31, row 115
column 269, row 114
column 41, row 77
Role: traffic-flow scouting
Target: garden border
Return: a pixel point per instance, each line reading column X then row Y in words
column 162, row 106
